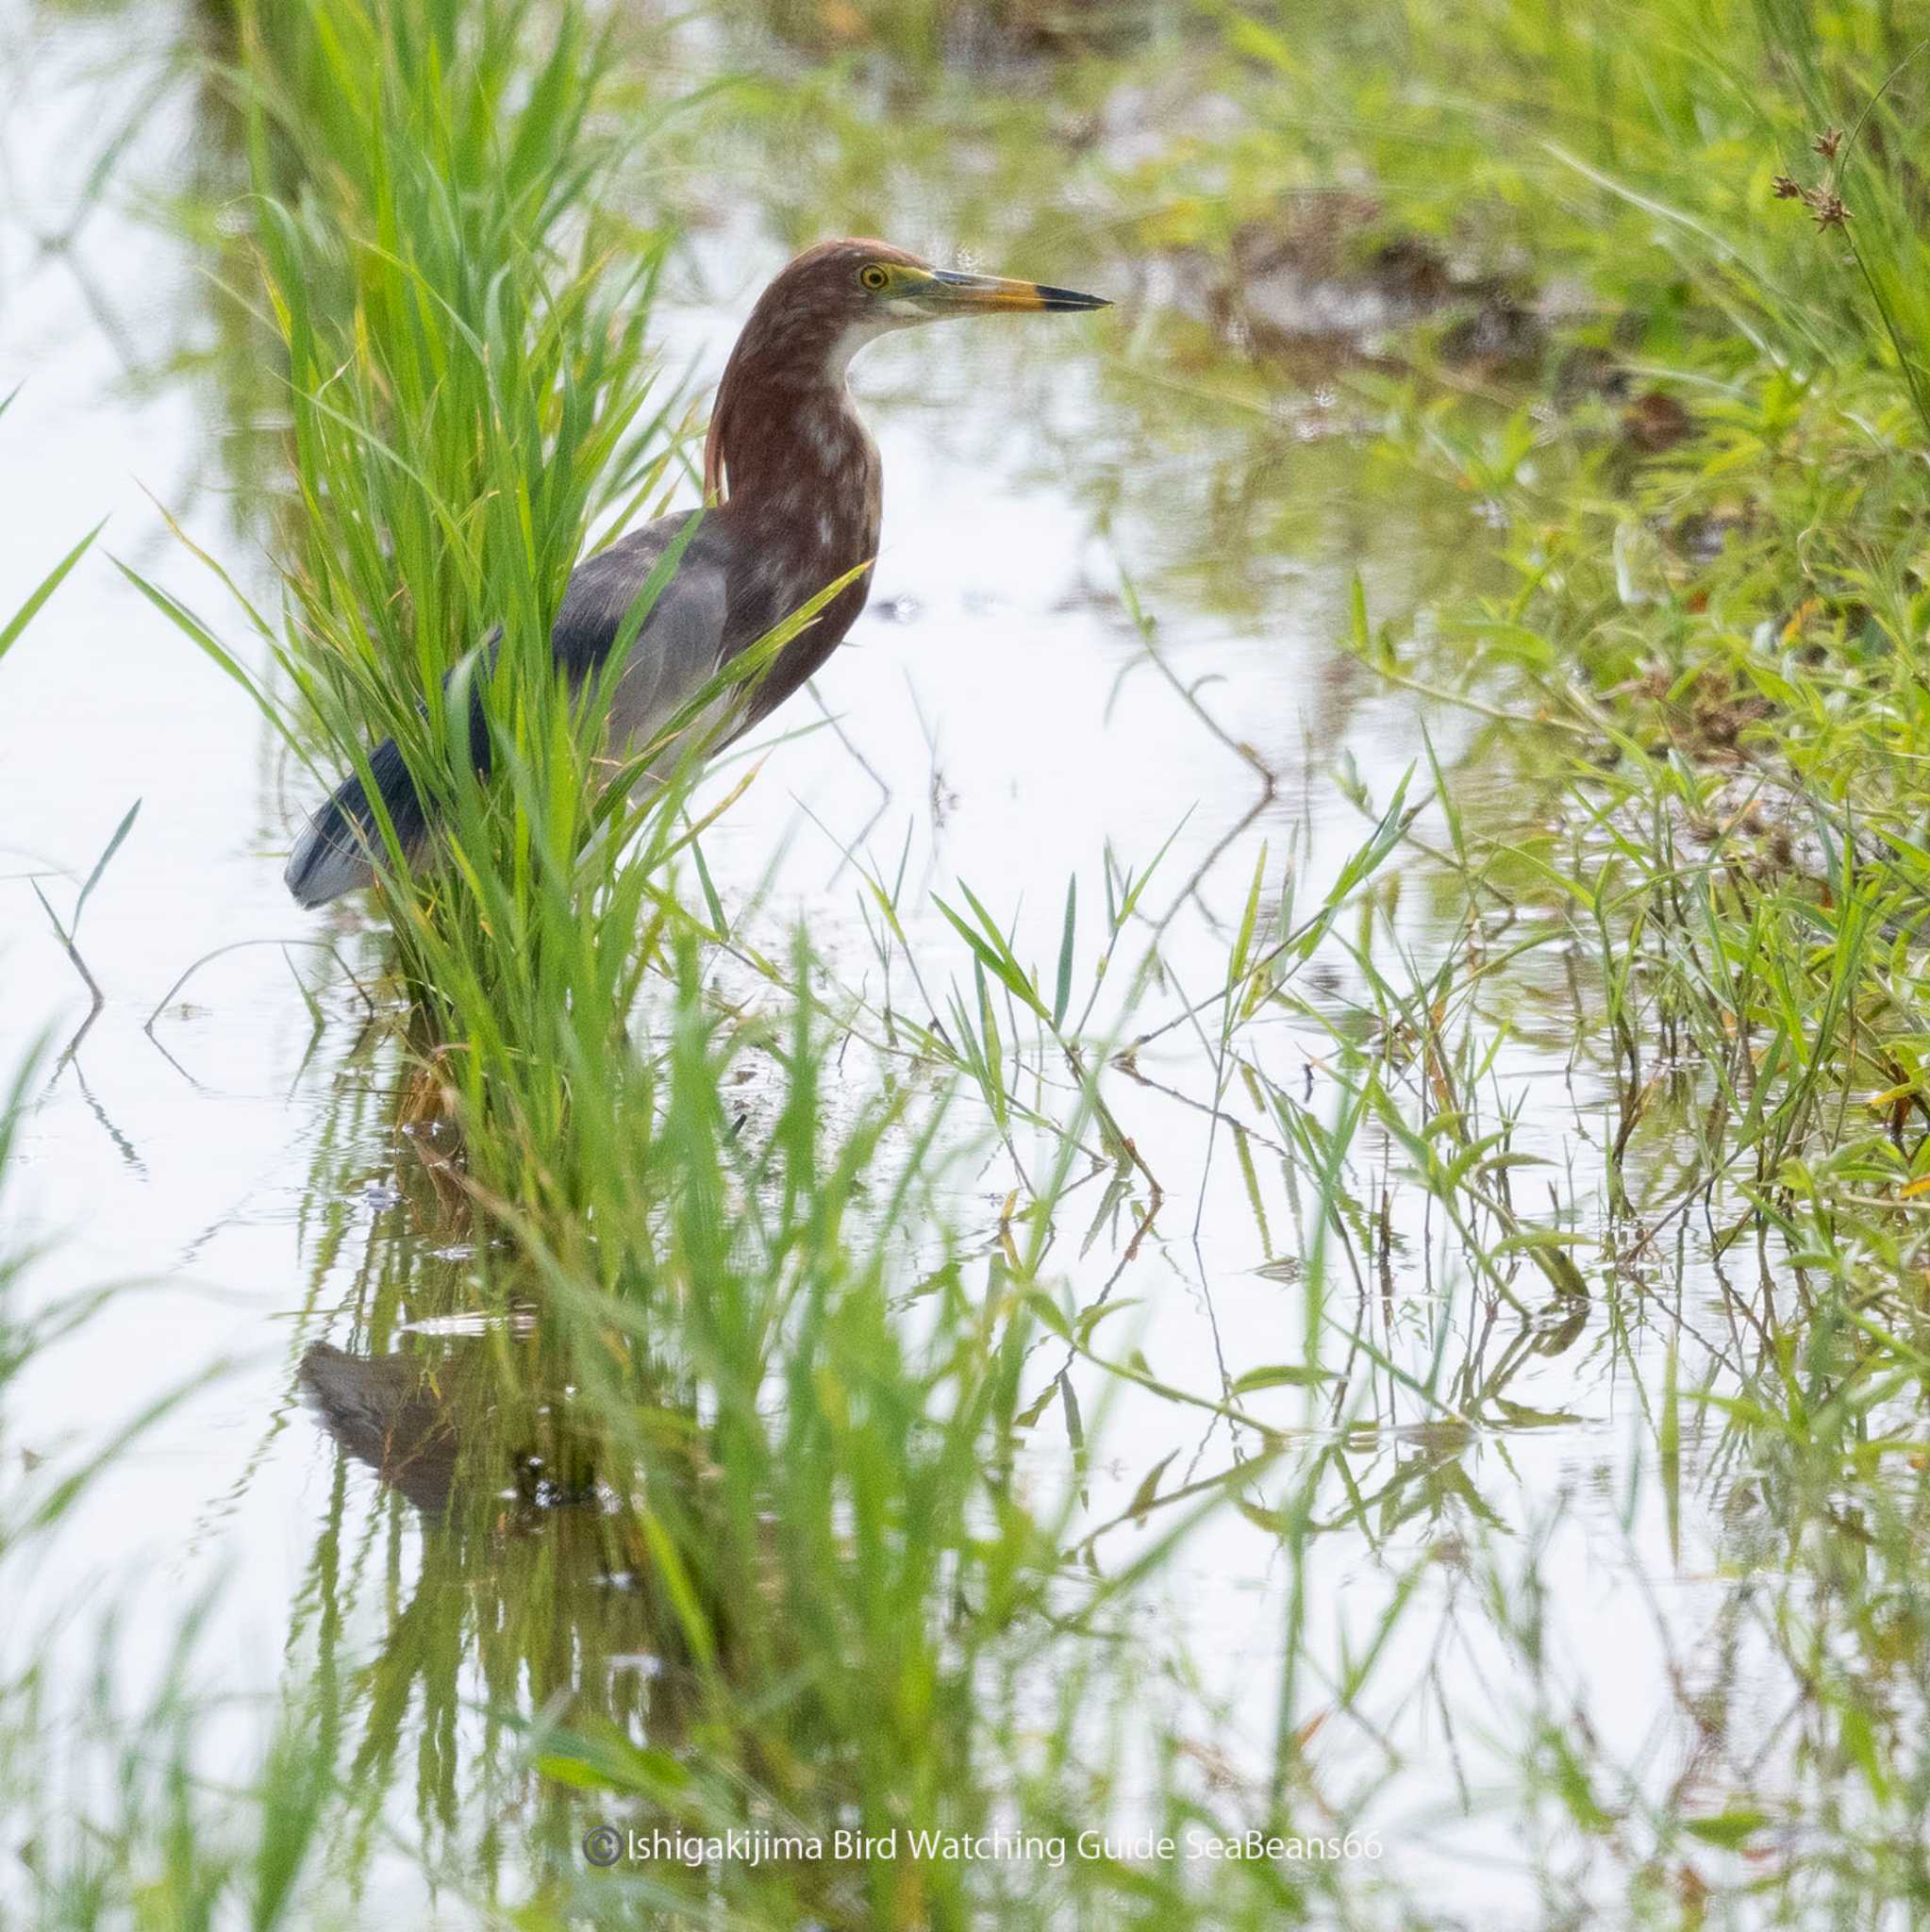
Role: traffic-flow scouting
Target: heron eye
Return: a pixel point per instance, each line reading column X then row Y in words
column 874, row 277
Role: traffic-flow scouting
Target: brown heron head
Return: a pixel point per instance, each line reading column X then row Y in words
column 840, row 295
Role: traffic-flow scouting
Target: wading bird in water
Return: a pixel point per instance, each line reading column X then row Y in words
column 795, row 496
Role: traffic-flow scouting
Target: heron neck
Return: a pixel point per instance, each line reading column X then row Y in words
column 801, row 490
column 794, row 454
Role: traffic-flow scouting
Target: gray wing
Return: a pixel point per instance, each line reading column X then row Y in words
column 675, row 654
column 679, row 650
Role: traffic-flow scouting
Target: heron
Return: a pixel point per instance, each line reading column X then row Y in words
column 793, row 504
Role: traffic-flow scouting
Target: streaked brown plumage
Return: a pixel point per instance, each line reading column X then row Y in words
column 794, row 503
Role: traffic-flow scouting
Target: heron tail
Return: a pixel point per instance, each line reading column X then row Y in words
column 336, row 854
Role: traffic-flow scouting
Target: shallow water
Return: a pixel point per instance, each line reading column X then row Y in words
column 998, row 720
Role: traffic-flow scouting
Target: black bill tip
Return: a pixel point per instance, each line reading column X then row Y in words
column 1068, row 299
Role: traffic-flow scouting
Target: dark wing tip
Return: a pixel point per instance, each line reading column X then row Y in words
column 335, row 854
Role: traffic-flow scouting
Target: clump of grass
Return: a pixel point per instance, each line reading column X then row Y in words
column 474, row 405
column 469, row 388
